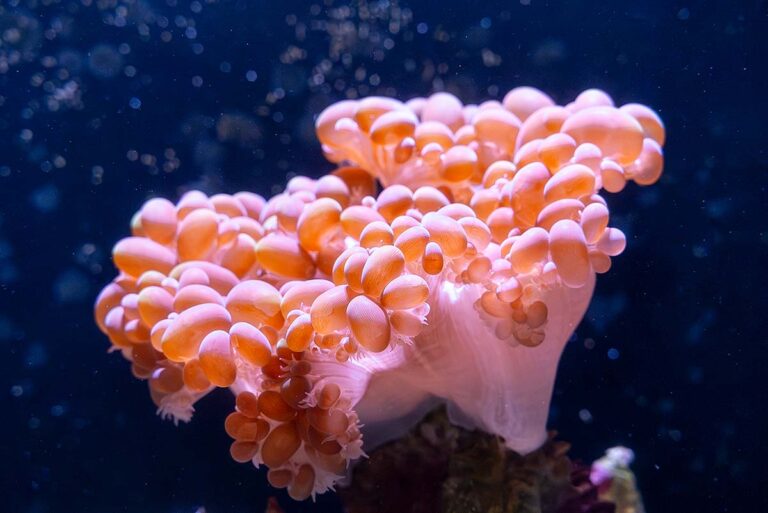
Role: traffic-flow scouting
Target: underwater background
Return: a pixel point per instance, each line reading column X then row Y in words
column 106, row 103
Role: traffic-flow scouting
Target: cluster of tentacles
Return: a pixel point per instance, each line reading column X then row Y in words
column 298, row 302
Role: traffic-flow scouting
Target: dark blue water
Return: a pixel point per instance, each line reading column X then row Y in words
column 106, row 103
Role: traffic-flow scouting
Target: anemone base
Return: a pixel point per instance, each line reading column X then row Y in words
column 439, row 467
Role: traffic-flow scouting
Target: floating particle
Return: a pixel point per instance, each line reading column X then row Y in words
column 605, row 309
column 71, row 60
column 90, row 256
column 699, row 327
column 238, row 128
column 8, row 273
column 289, row 78
column 6, row 328
column 46, row 198
column 695, row 375
column 37, row 355
column 208, row 155
column 59, row 161
column 71, row 286
column 20, row 34
column 104, row 61
column 67, row 96
column 490, row 59
column 549, row 52
column 97, row 175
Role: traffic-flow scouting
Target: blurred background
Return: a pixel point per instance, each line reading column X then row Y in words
column 106, row 103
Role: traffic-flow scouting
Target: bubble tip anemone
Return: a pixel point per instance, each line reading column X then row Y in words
column 330, row 306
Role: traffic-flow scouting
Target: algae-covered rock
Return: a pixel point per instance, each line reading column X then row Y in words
column 441, row 468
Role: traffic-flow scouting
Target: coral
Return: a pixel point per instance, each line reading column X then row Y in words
column 616, row 482
column 335, row 305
